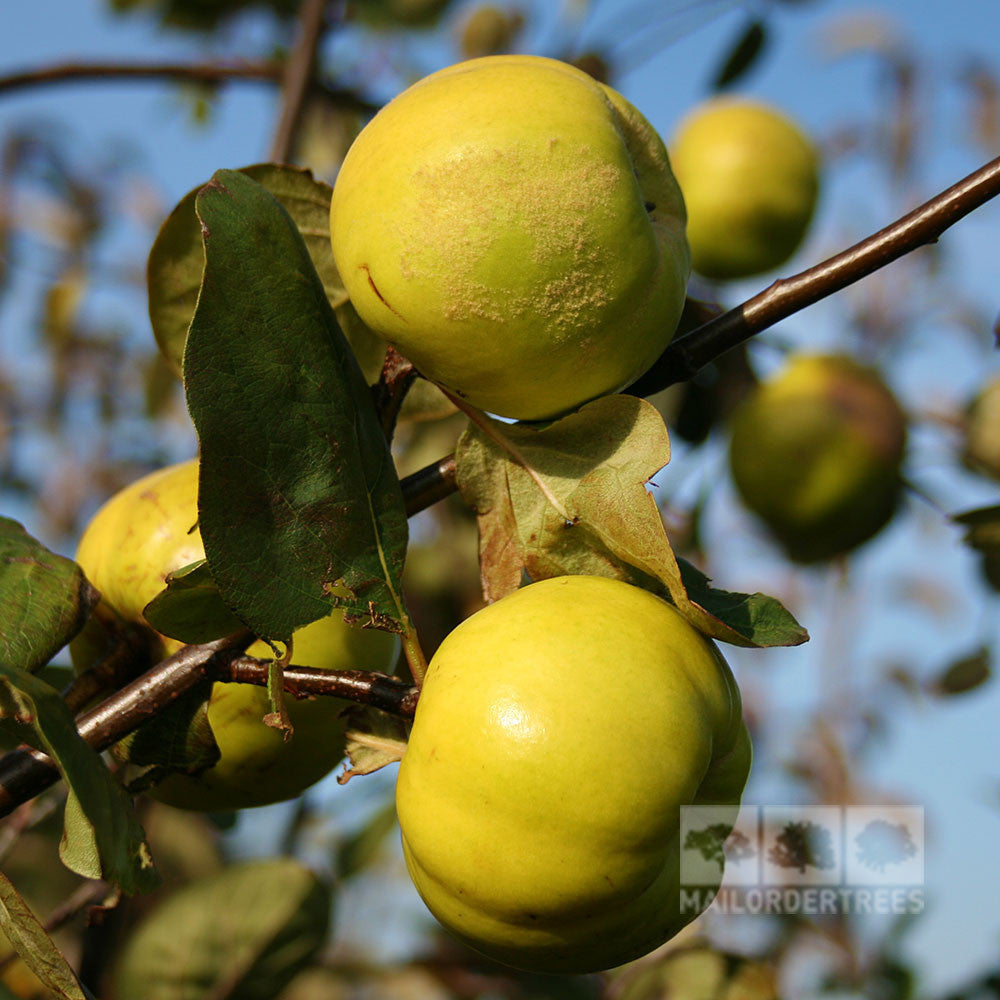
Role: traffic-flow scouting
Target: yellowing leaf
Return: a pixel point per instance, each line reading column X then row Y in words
column 571, row 498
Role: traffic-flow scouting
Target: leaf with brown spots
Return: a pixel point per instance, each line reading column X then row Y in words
column 299, row 505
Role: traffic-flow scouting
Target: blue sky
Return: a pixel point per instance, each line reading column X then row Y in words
column 943, row 756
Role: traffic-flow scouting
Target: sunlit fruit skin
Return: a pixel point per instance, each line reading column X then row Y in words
column 750, row 181
column 816, row 451
column 137, row 538
column 513, row 227
column 557, row 735
column 982, row 430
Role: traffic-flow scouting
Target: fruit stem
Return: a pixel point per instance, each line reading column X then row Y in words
column 414, row 653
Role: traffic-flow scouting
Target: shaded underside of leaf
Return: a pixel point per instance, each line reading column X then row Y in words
column 101, row 838
column 30, row 941
column 191, row 609
column 44, row 599
column 298, row 496
column 571, row 498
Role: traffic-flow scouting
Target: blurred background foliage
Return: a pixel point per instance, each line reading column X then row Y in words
column 903, row 629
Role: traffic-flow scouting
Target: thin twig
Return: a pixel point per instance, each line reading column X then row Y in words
column 924, row 225
column 299, row 70
column 209, row 74
column 689, row 353
column 367, row 687
column 426, row 486
column 270, row 71
column 25, row 772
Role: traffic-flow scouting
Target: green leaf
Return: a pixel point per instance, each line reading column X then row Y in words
column 35, row 947
column 241, row 934
column 177, row 260
column 191, row 609
column 759, row 617
column 179, row 738
column 964, row 674
column 299, row 504
column 571, row 498
column 102, row 838
column 44, row 599
column 742, row 56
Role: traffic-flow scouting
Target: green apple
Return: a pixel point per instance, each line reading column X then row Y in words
column 816, row 451
column 750, row 182
column 558, row 733
column 982, row 430
column 149, row 530
column 514, row 228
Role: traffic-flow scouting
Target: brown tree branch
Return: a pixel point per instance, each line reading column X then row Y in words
column 367, row 687
column 300, row 68
column 269, row 71
column 689, row 353
column 390, row 390
column 210, row 74
column 26, row 772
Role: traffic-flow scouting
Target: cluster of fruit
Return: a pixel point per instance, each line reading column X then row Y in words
column 530, row 257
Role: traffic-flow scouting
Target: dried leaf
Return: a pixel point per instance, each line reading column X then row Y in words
column 374, row 739
column 571, row 498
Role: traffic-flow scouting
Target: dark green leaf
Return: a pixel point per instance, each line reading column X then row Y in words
column 102, row 838
column 179, row 738
column 571, row 498
column 964, row 674
column 758, row 617
column 177, row 260
column 241, row 934
column 299, row 503
column 982, row 528
column 44, row 599
column 191, row 609
column 742, row 56
column 35, row 947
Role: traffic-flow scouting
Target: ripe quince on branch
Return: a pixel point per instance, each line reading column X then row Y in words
column 750, row 182
column 558, row 734
column 816, row 452
column 513, row 227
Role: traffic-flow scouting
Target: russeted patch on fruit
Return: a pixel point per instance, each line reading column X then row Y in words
column 558, row 735
column 815, row 453
column 135, row 540
column 513, row 227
